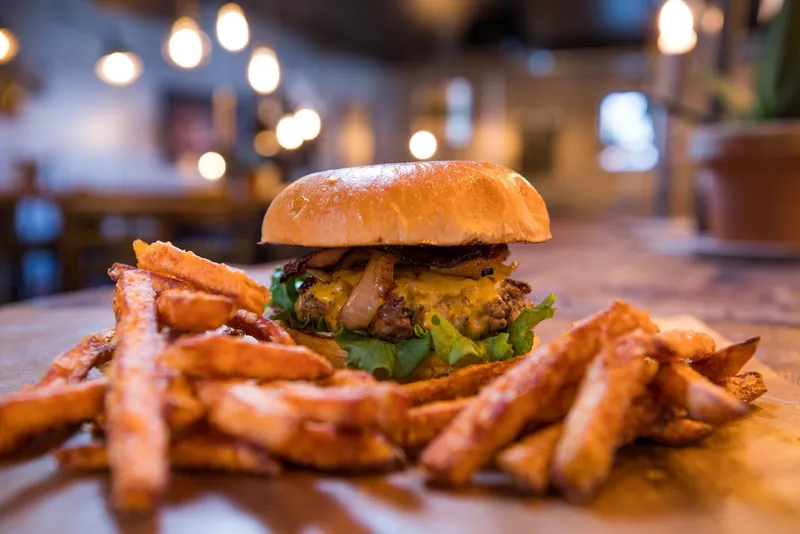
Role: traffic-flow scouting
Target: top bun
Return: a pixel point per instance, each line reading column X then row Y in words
column 443, row 203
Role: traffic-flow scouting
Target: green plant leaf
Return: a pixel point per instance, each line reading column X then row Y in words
column 521, row 330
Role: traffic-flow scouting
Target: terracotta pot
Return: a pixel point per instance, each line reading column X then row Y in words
column 751, row 176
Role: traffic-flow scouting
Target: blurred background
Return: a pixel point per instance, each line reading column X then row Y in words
column 180, row 120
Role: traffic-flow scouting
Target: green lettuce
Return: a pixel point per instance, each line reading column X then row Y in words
column 382, row 358
column 284, row 295
column 520, row 331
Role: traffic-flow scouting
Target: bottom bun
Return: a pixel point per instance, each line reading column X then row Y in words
column 326, row 346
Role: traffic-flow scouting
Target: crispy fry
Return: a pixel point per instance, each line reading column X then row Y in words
column 726, row 362
column 503, row 407
column 462, row 383
column 528, row 462
column 197, row 452
column 27, row 413
column 160, row 282
column 363, row 405
column 675, row 345
column 324, row 446
column 230, row 357
column 746, row 387
column 135, row 401
column 322, row 345
column 348, row 377
column 183, row 409
column 73, row 366
column 592, row 429
column 423, row 423
column 678, row 431
column 692, row 391
column 260, row 327
column 193, row 311
column 218, row 278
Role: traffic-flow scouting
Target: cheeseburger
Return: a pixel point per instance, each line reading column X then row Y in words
column 410, row 278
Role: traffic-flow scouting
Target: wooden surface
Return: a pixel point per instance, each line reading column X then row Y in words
column 745, row 479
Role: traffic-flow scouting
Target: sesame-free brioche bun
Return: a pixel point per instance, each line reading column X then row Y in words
column 443, row 203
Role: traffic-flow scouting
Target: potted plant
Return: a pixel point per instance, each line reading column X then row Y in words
column 749, row 169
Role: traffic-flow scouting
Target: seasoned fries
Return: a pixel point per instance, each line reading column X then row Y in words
column 347, row 377
column 423, row 423
column 231, row 357
column 726, row 362
column 218, row 278
column 135, row 424
column 160, row 283
column 678, row 431
column 29, row 412
column 503, row 407
column 193, row 311
column 528, row 462
column 183, row 408
column 74, row 365
column 747, row 387
column 260, row 327
column 676, row 345
column 692, row 391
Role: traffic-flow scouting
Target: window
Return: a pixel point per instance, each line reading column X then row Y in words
column 626, row 130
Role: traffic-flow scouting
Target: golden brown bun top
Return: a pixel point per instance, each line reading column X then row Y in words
column 442, row 203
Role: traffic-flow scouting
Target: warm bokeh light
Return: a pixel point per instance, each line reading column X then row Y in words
column 712, row 20
column 309, row 123
column 211, row 166
column 422, row 145
column 8, row 45
column 264, row 71
column 232, row 29
column 288, row 132
column 186, row 46
column 119, row 68
column 676, row 28
column 266, row 144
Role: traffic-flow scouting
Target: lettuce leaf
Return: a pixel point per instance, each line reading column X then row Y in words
column 284, row 295
column 520, row 333
column 382, row 358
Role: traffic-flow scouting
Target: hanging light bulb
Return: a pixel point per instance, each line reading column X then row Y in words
column 676, row 28
column 422, row 145
column 8, row 45
column 211, row 166
column 264, row 71
column 309, row 123
column 232, row 29
column 119, row 68
column 186, row 46
column 288, row 132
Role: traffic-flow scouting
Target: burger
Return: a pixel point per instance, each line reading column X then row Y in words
column 409, row 274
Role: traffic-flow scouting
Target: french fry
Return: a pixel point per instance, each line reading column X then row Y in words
column 260, row 327
column 703, row 400
column 728, row 361
column 674, row 345
column 746, row 387
column 231, row 357
column 30, row 412
column 363, row 405
column 74, row 365
column 324, row 345
column 183, row 408
column 193, row 311
column 423, row 423
column 465, row 382
column 160, row 282
column 324, row 446
column 592, row 428
column 503, row 407
column 677, row 431
column 218, row 278
column 196, row 452
column 528, row 462
column 135, row 424
column 348, row 377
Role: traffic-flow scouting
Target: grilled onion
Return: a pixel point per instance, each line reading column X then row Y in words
column 477, row 268
column 376, row 282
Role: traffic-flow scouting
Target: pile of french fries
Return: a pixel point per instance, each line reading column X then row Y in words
column 193, row 376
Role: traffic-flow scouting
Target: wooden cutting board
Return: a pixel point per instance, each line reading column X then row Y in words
column 745, row 479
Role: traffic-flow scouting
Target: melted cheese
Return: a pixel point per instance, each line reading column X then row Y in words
column 462, row 301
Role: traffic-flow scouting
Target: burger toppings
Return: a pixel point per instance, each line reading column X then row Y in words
column 369, row 293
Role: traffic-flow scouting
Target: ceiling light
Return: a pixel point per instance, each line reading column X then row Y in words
column 288, row 133
column 422, row 145
column 186, row 46
column 233, row 32
column 264, row 71
column 211, row 166
column 308, row 122
column 119, row 68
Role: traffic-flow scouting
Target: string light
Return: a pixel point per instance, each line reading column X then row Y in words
column 187, row 46
column 264, row 71
column 422, row 145
column 676, row 28
column 211, row 166
column 119, row 68
column 233, row 31
column 288, row 132
column 308, row 122
column 8, row 45
column 266, row 144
